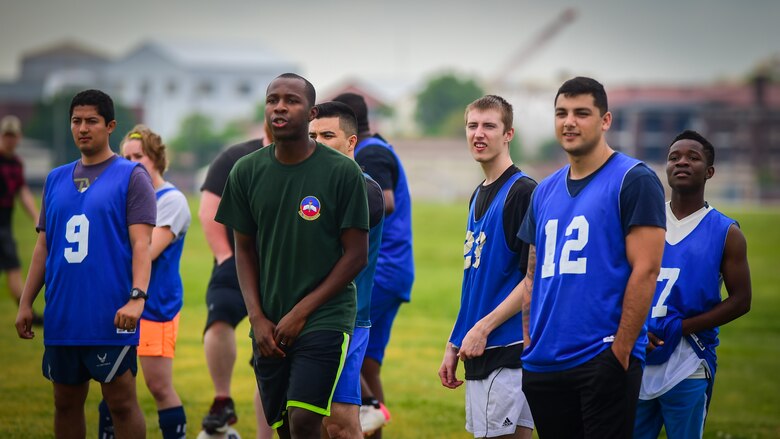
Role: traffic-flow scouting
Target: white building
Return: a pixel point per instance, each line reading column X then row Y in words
column 169, row 81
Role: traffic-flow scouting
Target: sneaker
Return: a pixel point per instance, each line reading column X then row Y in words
column 373, row 418
column 222, row 414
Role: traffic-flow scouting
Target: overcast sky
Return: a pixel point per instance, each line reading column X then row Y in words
column 615, row 41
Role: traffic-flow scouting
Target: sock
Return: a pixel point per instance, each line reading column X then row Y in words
column 105, row 424
column 173, row 422
column 370, row 401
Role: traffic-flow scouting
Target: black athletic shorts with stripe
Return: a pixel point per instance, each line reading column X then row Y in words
column 306, row 377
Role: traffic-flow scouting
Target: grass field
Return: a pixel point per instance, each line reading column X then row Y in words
column 747, row 392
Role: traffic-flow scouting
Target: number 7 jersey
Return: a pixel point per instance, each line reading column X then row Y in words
column 89, row 262
column 689, row 282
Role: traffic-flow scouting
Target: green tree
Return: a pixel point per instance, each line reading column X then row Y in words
column 441, row 104
column 198, row 137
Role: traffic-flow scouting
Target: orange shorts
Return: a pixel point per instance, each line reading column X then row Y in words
column 158, row 339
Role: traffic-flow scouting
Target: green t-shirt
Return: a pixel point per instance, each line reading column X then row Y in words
column 297, row 212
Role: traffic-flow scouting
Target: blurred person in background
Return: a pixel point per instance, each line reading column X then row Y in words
column 224, row 302
column 13, row 185
column 395, row 267
column 335, row 125
column 160, row 319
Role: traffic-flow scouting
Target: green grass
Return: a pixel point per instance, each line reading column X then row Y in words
column 746, row 403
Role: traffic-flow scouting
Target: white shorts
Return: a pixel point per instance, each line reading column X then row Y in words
column 496, row 406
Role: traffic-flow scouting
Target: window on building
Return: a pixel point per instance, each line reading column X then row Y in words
column 244, row 88
column 682, row 121
column 653, row 122
column 618, row 120
column 205, row 88
column 145, row 87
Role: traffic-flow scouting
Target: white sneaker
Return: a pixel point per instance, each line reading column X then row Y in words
column 372, row 418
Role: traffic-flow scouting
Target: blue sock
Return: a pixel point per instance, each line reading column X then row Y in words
column 173, row 422
column 105, row 424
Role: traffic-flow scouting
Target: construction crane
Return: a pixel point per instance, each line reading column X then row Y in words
column 526, row 51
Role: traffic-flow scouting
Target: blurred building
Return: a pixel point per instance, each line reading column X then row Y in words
column 163, row 82
column 741, row 120
column 170, row 81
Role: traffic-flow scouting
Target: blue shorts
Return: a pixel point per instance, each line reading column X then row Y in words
column 384, row 308
column 348, row 387
column 78, row 364
column 681, row 411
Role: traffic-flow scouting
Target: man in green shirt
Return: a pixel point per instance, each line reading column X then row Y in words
column 300, row 215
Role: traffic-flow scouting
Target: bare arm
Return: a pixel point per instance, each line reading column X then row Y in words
column 215, row 232
column 248, row 278
column 389, row 201
column 475, row 340
column 161, row 238
column 28, row 201
column 140, row 241
column 644, row 250
column 449, row 366
column 736, row 277
column 355, row 257
column 32, row 287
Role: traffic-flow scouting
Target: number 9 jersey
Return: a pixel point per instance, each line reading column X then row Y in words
column 89, row 262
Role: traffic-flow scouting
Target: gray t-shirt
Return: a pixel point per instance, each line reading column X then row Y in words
column 173, row 211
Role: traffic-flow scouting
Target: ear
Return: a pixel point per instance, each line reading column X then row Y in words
column 313, row 113
column 351, row 143
column 710, row 172
column 606, row 121
column 509, row 135
column 111, row 126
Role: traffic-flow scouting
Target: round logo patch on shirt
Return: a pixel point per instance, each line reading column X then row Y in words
column 309, row 208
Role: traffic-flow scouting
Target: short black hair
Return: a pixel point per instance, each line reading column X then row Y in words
column 311, row 94
column 347, row 119
column 582, row 85
column 709, row 150
column 358, row 104
column 97, row 99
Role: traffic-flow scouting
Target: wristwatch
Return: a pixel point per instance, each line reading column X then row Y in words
column 137, row 293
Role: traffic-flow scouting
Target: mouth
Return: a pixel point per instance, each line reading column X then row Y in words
column 681, row 173
column 84, row 139
column 480, row 146
column 278, row 122
column 570, row 135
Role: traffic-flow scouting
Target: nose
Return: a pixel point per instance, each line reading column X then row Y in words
column 569, row 120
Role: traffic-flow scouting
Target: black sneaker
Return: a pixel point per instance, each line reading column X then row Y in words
column 222, row 414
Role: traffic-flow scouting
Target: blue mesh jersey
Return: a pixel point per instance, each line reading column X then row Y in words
column 581, row 269
column 395, row 266
column 364, row 282
column 490, row 272
column 688, row 285
column 89, row 262
column 165, row 286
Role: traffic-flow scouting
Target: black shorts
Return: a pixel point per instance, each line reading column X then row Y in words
column 9, row 259
column 223, row 296
column 305, row 378
column 595, row 399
